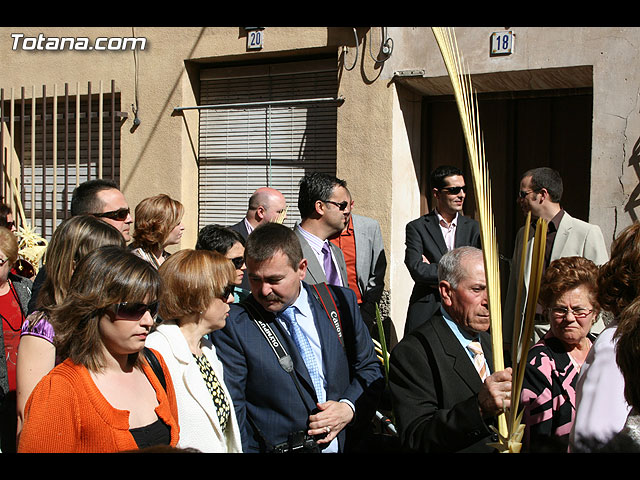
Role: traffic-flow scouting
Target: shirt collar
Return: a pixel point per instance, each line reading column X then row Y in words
column 464, row 337
column 301, row 303
column 314, row 241
column 248, row 225
column 441, row 219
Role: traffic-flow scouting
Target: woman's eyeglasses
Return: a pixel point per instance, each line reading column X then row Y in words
column 562, row 312
column 134, row 311
column 121, row 214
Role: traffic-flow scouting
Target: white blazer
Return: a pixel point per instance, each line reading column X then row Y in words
column 197, row 417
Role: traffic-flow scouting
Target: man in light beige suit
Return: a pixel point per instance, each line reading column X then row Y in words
column 540, row 194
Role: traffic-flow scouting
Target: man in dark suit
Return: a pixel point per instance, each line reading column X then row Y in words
column 289, row 399
column 325, row 206
column 265, row 205
column 431, row 236
column 443, row 402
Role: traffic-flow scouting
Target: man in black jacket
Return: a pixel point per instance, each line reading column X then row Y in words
column 445, row 396
column 431, row 236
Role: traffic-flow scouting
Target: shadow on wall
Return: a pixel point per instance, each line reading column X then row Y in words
column 634, row 198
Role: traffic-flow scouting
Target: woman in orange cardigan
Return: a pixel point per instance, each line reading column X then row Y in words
column 104, row 397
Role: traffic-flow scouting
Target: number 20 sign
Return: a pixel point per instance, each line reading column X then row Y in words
column 502, row 43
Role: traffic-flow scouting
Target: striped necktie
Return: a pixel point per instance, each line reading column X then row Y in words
column 478, row 359
column 304, row 347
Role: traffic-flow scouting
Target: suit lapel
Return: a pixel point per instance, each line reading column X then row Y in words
column 562, row 236
column 328, row 348
column 433, row 228
column 314, row 269
column 342, row 265
column 461, row 230
column 192, row 377
column 328, row 336
column 460, row 360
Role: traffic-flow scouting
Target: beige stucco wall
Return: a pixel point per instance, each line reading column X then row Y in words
column 613, row 54
column 160, row 154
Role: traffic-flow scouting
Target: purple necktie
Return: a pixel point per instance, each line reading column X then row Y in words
column 329, row 269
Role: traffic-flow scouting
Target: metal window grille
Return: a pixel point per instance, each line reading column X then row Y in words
column 51, row 140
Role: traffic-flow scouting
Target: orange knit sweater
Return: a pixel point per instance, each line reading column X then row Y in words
column 66, row 413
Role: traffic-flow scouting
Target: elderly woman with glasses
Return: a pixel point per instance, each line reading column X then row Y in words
column 568, row 294
column 105, row 396
column 196, row 294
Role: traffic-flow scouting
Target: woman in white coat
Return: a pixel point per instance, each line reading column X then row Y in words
column 197, row 288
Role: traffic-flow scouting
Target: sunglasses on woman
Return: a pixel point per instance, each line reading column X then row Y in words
column 237, row 262
column 134, row 311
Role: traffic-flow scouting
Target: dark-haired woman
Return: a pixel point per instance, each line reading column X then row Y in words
column 105, row 397
column 229, row 243
column 72, row 240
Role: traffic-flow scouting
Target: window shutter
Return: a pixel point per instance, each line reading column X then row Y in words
column 271, row 124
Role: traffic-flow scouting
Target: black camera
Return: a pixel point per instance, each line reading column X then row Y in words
column 297, row 442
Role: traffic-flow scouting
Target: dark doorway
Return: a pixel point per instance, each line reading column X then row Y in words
column 521, row 130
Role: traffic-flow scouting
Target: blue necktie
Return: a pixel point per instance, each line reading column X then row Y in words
column 304, row 348
column 330, row 271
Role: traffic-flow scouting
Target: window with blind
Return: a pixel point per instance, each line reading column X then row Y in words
column 263, row 125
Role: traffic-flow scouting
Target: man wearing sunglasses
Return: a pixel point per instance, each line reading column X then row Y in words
column 540, row 193
column 102, row 199
column 325, row 205
column 429, row 237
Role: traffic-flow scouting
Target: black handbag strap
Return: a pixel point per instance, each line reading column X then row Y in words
column 155, row 366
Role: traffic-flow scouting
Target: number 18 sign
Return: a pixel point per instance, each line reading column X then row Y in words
column 502, row 43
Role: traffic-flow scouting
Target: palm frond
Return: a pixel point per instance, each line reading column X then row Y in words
column 466, row 100
column 509, row 431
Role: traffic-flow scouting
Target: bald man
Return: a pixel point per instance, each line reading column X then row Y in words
column 265, row 205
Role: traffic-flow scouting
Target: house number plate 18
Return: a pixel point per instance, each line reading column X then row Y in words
column 502, row 43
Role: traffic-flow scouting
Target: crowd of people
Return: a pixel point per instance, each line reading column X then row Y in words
column 261, row 338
